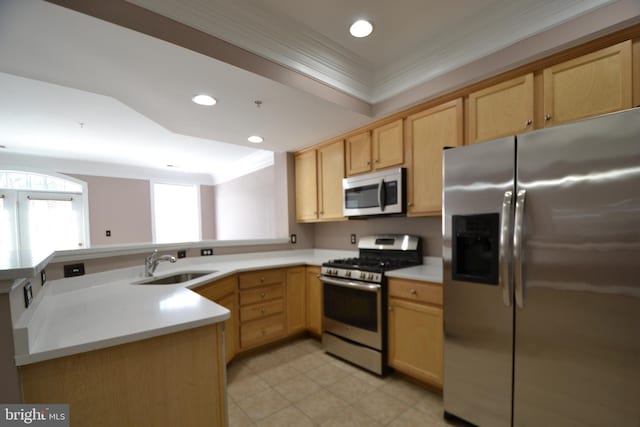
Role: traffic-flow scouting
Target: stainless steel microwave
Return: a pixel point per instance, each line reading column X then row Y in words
column 377, row 193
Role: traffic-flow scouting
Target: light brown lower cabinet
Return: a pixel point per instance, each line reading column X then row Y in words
column 314, row 301
column 170, row 380
column 296, row 300
column 262, row 307
column 415, row 329
column 223, row 292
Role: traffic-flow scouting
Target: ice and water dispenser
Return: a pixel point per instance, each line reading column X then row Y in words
column 475, row 248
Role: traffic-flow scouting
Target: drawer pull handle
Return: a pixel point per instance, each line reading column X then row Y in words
column 413, row 292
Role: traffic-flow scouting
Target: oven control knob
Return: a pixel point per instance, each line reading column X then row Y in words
column 370, row 277
column 362, row 275
column 347, row 273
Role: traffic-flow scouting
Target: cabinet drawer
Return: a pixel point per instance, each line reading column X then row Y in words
column 416, row 291
column 261, row 278
column 218, row 289
column 265, row 293
column 257, row 311
column 262, row 330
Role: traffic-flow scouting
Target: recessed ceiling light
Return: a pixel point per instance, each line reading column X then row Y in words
column 255, row 139
column 204, row 100
column 361, row 28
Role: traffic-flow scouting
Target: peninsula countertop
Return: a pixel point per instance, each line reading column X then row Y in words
column 95, row 311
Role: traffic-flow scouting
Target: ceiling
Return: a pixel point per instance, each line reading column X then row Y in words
column 77, row 87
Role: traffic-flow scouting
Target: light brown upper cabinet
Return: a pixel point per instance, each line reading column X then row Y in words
column 306, row 170
column 427, row 133
column 359, row 153
column 593, row 84
column 388, row 149
column 330, row 174
column 379, row 148
column 319, row 176
column 501, row 110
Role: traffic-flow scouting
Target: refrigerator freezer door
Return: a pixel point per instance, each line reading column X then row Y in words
column 577, row 345
column 478, row 322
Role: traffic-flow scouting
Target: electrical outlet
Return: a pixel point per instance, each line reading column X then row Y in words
column 72, row 270
column 182, row 254
column 206, row 252
column 353, row 239
column 43, row 277
column 294, row 239
column 108, row 233
column 28, row 294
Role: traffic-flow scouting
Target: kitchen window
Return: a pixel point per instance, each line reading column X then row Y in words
column 40, row 212
column 176, row 212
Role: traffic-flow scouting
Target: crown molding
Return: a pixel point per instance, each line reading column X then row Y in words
column 249, row 25
column 477, row 40
column 244, row 166
column 252, row 26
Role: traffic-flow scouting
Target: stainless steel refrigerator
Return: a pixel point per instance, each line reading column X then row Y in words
column 541, row 249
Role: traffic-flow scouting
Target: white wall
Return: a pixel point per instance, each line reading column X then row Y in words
column 245, row 208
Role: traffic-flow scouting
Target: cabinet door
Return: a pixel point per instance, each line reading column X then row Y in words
column 501, row 110
column 428, row 132
column 593, row 84
column 314, row 301
column 388, row 149
column 230, row 326
column 331, row 167
column 306, row 186
column 359, row 153
column 416, row 340
column 296, row 300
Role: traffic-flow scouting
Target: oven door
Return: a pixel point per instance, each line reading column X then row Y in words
column 353, row 310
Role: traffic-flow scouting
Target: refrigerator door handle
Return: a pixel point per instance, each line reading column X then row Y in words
column 517, row 249
column 505, row 223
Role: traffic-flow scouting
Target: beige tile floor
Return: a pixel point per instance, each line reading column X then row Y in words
column 297, row 384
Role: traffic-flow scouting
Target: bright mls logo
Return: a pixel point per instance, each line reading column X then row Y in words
column 34, row 415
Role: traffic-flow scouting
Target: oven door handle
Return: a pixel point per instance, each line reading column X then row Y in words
column 369, row 287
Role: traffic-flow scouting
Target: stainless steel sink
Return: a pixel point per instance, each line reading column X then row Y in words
column 184, row 276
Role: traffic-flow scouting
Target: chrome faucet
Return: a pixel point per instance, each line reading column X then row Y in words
column 151, row 262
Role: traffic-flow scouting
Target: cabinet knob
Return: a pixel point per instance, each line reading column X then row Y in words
column 390, row 308
column 262, row 295
column 262, row 279
column 413, row 292
column 321, row 212
column 547, row 117
column 368, row 163
column 263, row 332
column 409, row 204
column 377, row 161
column 529, row 122
column 262, row 311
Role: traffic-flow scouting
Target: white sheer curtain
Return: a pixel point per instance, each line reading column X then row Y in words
column 50, row 221
column 8, row 238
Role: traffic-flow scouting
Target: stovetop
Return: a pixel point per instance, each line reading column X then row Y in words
column 377, row 254
column 373, row 264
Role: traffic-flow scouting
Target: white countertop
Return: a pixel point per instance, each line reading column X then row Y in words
column 100, row 310
column 430, row 271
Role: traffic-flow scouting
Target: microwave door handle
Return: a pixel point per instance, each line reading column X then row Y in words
column 381, row 196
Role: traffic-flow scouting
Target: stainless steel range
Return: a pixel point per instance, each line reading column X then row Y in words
column 355, row 298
